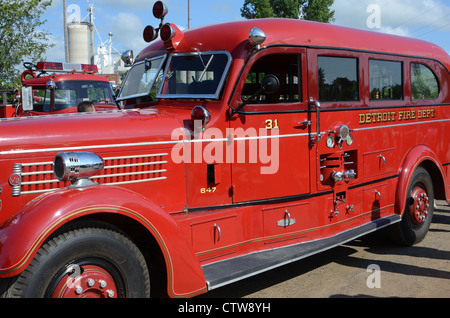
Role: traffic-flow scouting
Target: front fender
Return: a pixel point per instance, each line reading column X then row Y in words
column 24, row 233
column 415, row 158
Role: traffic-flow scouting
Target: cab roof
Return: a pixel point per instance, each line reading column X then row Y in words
column 42, row 80
column 233, row 37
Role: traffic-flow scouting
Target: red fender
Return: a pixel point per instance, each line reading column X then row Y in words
column 23, row 234
column 415, row 157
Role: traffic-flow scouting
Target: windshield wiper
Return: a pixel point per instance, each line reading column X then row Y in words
column 205, row 66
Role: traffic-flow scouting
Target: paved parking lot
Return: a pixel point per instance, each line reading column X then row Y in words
column 368, row 267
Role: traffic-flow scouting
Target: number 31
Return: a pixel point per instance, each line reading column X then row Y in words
column 272, row 124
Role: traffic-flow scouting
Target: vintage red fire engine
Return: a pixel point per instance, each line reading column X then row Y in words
column 240, row 147
column 57, row 88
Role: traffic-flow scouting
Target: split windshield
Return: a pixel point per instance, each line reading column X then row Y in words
column 70, row 93
column 197, row 75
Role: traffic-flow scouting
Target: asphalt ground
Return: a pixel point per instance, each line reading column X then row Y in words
column 369, row 267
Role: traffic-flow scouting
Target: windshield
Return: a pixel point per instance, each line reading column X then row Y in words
column 71, row 93
column 141, row 79
column 195, row 75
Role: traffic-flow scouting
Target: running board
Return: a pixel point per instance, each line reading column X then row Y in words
column 228, row 271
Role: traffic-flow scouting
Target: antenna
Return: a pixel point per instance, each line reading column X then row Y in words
column 91, row 10
column 189, row 14
column 66, row 36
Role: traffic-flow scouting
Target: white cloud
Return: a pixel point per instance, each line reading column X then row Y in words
column 402, row 17
column 56, row 53
column 127, row 31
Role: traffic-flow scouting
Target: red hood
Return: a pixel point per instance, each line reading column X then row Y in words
column 78, row 132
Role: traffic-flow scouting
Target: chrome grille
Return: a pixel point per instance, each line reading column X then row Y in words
column 38, row 177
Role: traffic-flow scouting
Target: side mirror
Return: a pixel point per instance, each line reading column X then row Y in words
column 269, row 85
column 27, row 98
column 128, row 58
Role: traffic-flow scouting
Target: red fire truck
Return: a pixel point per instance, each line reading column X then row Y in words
column 241, row 147
column 57, row 88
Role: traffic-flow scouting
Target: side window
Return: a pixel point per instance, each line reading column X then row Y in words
column 41, row 100
column 64, row 98
column 424, row 83
column 386, row 80
column 338, row 79
column 284, row 66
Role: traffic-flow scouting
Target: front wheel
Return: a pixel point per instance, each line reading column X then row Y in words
column 87, row 261
column 418, row 212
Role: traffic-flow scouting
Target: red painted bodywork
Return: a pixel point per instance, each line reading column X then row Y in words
column 178, row 211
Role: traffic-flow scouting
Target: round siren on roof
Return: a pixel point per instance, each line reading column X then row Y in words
column 159, row 10
column 167, row 32
column 150, row 34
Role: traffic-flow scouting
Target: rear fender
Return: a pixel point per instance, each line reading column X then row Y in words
column 417, row 156
column 23, row 234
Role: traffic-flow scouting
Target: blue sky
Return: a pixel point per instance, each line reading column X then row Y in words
column 424, row 19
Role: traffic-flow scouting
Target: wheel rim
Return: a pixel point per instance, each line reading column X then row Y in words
column 86, row 280
column 418, row 209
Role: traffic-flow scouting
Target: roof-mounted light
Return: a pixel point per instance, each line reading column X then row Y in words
column 171, row 35
column 160, row 10
column 150, row 34
column 256, row 37
column 167, row 32
column 66, row 67
column 88, row 68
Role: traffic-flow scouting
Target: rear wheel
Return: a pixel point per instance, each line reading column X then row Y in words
column 87, row 261
column 418, row 212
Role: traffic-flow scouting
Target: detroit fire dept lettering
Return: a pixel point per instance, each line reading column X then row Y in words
column 393, row 116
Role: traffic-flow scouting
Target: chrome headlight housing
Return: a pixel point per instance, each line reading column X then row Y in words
column 71, row 166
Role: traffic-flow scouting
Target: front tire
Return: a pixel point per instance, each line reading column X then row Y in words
column 89, row 260
column 418, row 211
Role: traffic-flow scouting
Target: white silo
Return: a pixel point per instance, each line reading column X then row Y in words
column 78, row 34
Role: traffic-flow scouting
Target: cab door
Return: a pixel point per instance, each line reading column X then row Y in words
column 269, row 135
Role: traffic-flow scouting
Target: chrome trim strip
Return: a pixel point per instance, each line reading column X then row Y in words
column 136, row 181
column 127, row 174
column 36, row 173
column 39, row 191
column 37, row 164
column 135, row 157
column 106, row 184
column 140, row 144
column 136, row 165
column 40, row 182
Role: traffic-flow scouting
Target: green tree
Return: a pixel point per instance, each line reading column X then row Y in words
column 317, row 10
column 314, row 10
column 257, row 9
column 21, row 37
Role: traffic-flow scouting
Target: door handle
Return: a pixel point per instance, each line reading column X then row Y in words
column 377, row 194
column 383, row 160
column 312, row 102
column 217, row 233
column 305, row 123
